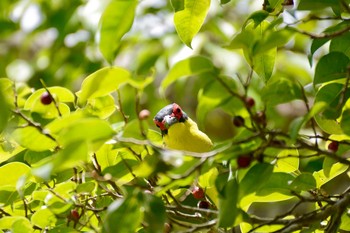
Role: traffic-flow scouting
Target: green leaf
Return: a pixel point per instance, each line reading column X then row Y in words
column 22, row 225
column 6, row 222
column 13, row 172
column 60, row 94
column 258, row 17
column 211, row 96
column 259, row 48
column 31, row 138
column 316, row 44
column 287, row 161
column 102, row 82
column 341, row 44
column 102, row 107
column 335, row 170
column 228, row 210
column 345, row 222
column 345, row 122
column 75, row 154
column 125, row 211
column 281, row 90
column 277, row 183
column 303, row 182
column 91, row 130
column 331, row 67
column 154, row 214
column 190, row 66
column 116, row 20
column 87, row 187
column 8, row 194
column 263, row 63
column 5, row 86
column 189, row 20
column 316, row 4
column 299, row 122
column 255, row 178
column 43, row 218
column 332, row 95
column 328, row 126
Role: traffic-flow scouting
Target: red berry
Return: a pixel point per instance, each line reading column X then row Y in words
column 144, row 114
column 45, row 98
column 198, row 193
column 244, row 161
column 333, row 146
column 238, row 121
column 250, row 102
column 74, row 214
column 203, row 204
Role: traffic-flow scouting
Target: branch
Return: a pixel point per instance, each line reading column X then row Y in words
column 321, row 36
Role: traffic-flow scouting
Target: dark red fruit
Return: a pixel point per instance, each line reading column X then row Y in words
column 46, row 98
column 250, row 102
column 74, row 214
column 244, row 161
column 198, row 192
column 203, row 204
column 333, row 146
column 238, row 121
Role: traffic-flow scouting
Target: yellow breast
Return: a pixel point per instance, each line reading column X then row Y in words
column 186, row 136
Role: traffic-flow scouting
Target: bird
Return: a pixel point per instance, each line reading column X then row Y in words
column 179, row 131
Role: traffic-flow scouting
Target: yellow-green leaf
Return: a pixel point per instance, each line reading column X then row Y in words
column 190, row 18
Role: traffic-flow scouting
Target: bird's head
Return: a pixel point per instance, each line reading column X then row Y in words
column 169, row 115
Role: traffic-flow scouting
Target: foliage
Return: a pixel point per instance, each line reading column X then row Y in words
column 268, row 83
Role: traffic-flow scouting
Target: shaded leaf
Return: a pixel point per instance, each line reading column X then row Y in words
column 303, row 182
column 255, row 178
column 345, row 122
column 277, row 183
column 331, row 67
column 75, row 154
column 341, row 44
column 187, row 67
column 154, row 214
column 281, row 90
column 116, row 20
column 228, row 204
column 316, row 4
column 116, row 213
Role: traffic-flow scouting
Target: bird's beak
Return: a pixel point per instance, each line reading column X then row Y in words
column 169, row 121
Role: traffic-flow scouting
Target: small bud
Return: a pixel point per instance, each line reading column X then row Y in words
column 144, row 114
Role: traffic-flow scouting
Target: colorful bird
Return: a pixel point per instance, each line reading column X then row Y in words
column 179, row 131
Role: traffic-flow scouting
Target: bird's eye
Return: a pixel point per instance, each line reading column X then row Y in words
column 178, row 110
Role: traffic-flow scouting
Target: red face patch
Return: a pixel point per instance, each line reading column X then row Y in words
column 159, row 124
column 177, row 111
